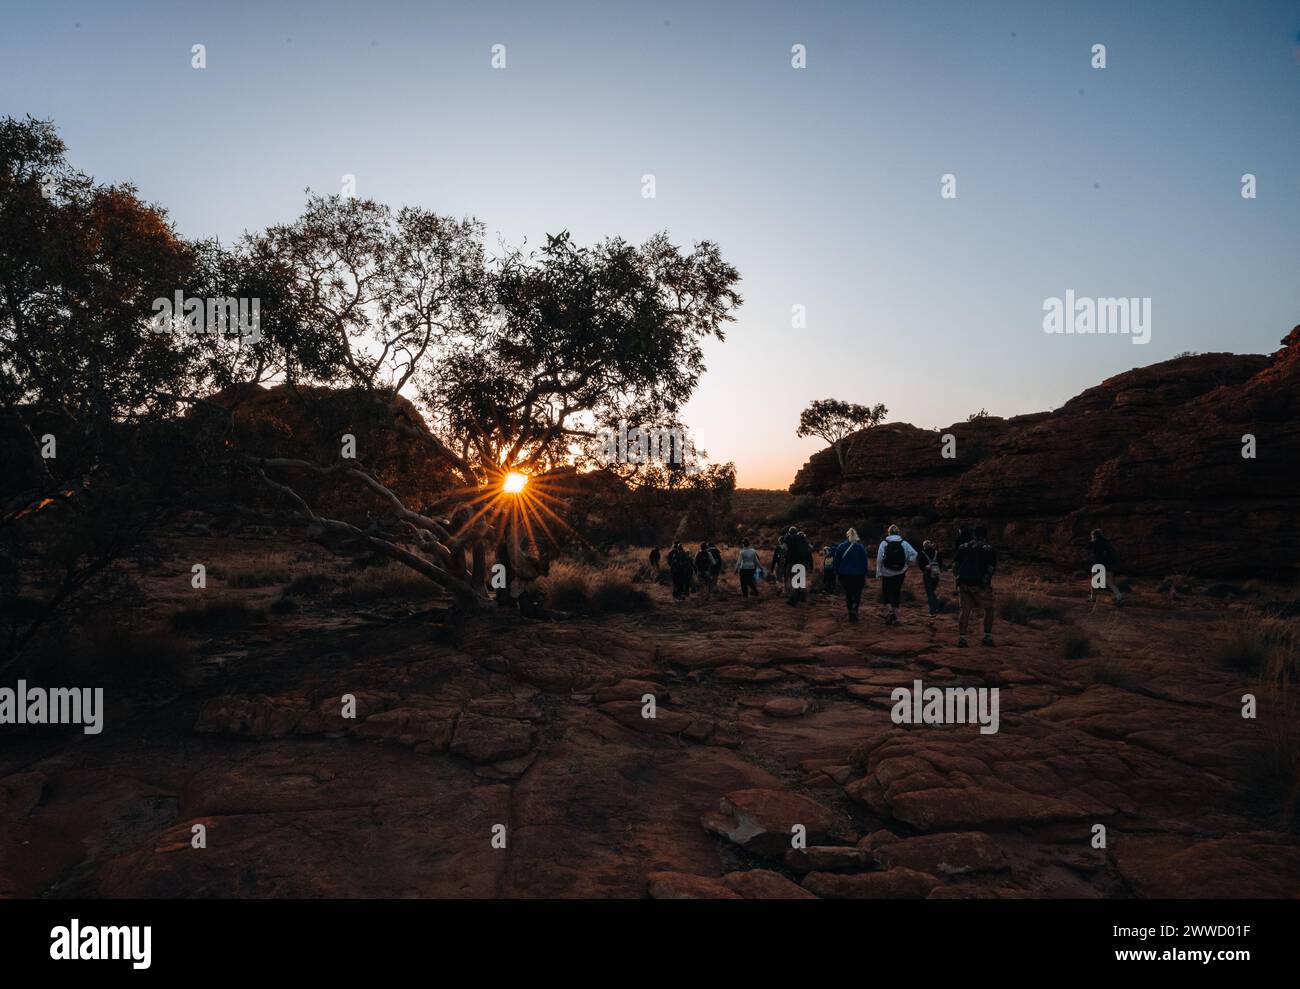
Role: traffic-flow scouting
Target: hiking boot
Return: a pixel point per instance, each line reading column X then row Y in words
column 988, row 639
column 962, row 643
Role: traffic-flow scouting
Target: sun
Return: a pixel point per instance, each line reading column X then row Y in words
column 514, row 482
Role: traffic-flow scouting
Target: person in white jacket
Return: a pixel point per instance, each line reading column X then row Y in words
column 893, row 557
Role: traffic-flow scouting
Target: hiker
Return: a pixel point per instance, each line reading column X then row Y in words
column 850, row 560
column 893, row 557
column 973, row 565
column 1104, row 555
column 798, row 554
column 654, row 560
column 828, row 569
column 715, row 570
column 704, row 569
column 747, row 568
column 777, row 570
column 679, row 565
column 931, row 565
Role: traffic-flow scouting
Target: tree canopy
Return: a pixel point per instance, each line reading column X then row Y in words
column 839, row 423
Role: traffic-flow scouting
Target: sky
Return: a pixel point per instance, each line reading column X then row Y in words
column 823, row 185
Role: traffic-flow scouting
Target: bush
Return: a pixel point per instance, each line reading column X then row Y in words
column 616, row 593
column 258, row 578
column 1263, row 647
column 1077, row 644
column 394, row 583
column 572, row 586
column 1020, row 606
column 214, row 616
column 568, row 592
column 308, row 585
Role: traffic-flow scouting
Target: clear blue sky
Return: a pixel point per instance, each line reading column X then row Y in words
column 821, row 184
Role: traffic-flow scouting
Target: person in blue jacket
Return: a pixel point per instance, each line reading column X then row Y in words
column 851, row 570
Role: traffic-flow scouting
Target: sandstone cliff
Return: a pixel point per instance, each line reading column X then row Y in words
column 1153, row 456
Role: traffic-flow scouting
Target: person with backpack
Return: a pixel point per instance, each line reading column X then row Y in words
column 850, row 562
column 930, row 565
column 893, row 557
column 654, row 560
column 679, row 565
column 747, row 568
column 1104, row 555
column 704, row 569
column 973, row 566
column 828, row 570
column 715, row 571
column 799, row 553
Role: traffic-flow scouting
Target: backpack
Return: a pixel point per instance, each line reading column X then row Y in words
column 895, row 555
column 970, row 567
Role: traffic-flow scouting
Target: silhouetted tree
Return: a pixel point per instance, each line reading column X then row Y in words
column 839, row 423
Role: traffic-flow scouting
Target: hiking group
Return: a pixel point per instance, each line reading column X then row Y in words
column 846, row 568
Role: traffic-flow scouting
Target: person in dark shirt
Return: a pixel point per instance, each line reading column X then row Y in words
column 850, row 560
column 654, row 560
column 679, row 565
column 931, row 565
column 704, row 569
column 799, row 553
column 973, row 566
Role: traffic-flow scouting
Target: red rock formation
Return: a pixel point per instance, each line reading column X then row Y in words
column 1153, row 456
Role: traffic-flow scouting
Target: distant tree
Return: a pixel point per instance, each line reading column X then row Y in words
column 840, row 424
column 981, row 414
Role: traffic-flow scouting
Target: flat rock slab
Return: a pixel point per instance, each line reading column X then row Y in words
column 764, row 884
column 786, row 707
column 684, row 886
column 480, row 738
column 764, row 821
column 895, row 884
column 952, row 854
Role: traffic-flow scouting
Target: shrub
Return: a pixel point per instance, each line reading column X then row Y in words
column 258, row 578
column 616, row 593
column 572, row 586
column 214, row 616
column 568, row 592
column 309, row 584
column 1020, row 606
column 393, row 583
column 1264, row 647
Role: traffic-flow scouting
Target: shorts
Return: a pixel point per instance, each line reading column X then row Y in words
column 976, row 598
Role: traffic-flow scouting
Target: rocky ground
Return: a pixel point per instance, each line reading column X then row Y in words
column 768, row 717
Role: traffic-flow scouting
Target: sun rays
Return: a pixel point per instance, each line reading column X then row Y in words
column 523, row 507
